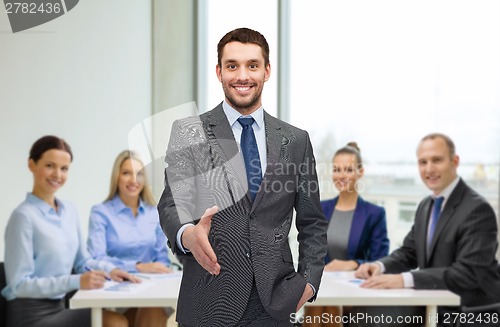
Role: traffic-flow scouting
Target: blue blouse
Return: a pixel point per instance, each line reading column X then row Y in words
column 119, row 237
column 42, row 246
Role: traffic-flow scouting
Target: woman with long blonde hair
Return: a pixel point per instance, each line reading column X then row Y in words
column 124, row 230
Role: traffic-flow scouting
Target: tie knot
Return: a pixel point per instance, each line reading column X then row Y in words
column 245, row 122
column 438, row 202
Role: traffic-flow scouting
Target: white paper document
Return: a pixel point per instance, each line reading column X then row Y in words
column 173, row 275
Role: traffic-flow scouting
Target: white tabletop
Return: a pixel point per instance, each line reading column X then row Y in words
column 336, row 289
column 161, row 292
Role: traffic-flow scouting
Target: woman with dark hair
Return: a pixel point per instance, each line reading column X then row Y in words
column 125, row 231
column 357, row 229
column 43, row 245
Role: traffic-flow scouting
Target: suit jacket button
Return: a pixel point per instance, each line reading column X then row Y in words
column 252, row 216
column 248, row 255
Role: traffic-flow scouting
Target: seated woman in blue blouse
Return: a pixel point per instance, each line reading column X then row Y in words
column 124, row 230
column 43, row 244
column 357, row 229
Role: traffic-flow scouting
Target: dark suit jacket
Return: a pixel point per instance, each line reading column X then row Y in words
column 249, row 239
column 462, row 254
column 368, row 236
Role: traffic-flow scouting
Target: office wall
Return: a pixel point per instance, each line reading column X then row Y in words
column 174, row 85
column 86, row 77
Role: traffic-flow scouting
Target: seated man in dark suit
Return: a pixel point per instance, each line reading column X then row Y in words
column 453, row 248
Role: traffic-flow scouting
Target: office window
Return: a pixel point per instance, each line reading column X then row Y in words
column 384, row 74
column 407, row 212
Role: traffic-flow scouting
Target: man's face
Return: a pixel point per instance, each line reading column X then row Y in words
column 437, row 168
column 243, row 73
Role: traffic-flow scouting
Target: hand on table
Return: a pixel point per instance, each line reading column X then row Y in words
column 341, row 265
column 119, row 275
column 153, row 268
column 384, row 281
column 93, row 279
column 368, row 270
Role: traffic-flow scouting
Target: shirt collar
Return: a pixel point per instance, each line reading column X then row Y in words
column 120, row 206
column 233, row 115
column 42, row 205
column 447, row 191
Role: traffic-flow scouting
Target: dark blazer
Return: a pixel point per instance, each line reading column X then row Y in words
column 250, row 240
column 462, row 253
column 368, row 236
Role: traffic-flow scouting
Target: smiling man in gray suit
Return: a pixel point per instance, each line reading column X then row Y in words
column 229, row 200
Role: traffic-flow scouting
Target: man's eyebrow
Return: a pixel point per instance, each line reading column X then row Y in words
column 228, row 61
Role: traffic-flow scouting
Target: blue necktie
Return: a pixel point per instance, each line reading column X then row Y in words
column 250, row 155
column 436, row 210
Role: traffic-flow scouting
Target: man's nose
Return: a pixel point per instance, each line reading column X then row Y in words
column 243, row 73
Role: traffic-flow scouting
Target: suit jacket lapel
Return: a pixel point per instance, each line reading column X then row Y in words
column 421, row 228
column 221, row 139
column 447, row 212
column 275, row 142
column 357, row 226
column 328, row 206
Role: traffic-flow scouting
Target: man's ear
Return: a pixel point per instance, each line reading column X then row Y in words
column 218, row 72
column 267, row 73
column 455, row 160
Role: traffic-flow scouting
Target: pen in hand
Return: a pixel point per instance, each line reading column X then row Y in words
column 87, row 268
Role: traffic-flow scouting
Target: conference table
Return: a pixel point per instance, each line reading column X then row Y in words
column 337, row 288
column 342, row 289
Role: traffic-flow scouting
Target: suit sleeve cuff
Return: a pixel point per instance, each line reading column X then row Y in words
column 408, row 280
column 179, row 238
column 381, row 265
column 314, row 291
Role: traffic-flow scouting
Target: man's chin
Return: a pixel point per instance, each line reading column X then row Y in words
column 244, row 103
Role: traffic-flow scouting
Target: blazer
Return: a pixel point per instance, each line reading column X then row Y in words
column 368, row 239
column 250, row 240
column 462, row 253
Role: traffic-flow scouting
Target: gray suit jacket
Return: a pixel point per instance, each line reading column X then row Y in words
column 250, row 240
column 462, row 253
